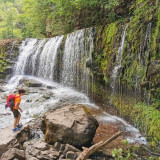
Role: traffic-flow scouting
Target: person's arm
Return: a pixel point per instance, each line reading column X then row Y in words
column 17, row 106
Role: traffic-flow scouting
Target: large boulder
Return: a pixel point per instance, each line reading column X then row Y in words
column 72, row 124
column 9, row 139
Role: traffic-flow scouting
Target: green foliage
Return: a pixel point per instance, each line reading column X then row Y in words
column 156, row 44
column 34, row 18
column 117, row 154
column 9, row 20
column 105, row 47
column 131, row 152
column 39, row 18
column 145, row 117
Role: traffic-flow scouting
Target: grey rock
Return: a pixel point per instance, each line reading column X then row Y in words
column 33, row 158
column 40, row 150
column 13, row 153
column 71, row 155
column 41, row 145
column 72, row 124
column 33, row 83
column 70, row 148
column 62, row 157
column 59, row 147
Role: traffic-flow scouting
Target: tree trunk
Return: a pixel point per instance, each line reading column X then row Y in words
column 98, row 146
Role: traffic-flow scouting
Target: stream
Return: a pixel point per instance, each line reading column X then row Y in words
column 39, row 100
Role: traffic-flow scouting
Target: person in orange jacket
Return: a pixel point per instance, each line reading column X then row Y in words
column 16, row 108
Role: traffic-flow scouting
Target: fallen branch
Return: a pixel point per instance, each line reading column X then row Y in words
column 98, row 146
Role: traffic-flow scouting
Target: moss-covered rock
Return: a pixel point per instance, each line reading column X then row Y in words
column 138, row 79
column 8, row 53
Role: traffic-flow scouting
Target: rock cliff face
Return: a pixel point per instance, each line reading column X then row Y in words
column 8, row 54
column 126, row 66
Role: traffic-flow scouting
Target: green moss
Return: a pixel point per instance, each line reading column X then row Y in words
column 143, row 116
column 156, row 32
column 104, row 47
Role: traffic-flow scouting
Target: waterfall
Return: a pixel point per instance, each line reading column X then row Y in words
column 38, row 57
column 78, row 48
column 45, row 58
column 118, row 62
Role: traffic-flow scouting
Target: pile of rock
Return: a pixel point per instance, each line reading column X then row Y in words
column 66, row 129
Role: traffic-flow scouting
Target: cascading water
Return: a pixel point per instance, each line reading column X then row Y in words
column 38, row 58
column 143, row 58
column 77, row 50
column 118, row 62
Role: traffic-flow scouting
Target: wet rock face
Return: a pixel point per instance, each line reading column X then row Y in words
column 8, row 54
column 71, row 124
column 123, row 8
column 153, row 75
column 153, row 68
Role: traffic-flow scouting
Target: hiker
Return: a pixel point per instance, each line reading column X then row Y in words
column 16, row 108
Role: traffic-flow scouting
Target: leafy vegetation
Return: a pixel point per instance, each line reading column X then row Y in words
column 133, row 152
column 38, row 18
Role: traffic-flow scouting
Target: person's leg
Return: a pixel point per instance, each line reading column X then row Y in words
column 15, row 113
column 15, row 122
column 18, row 119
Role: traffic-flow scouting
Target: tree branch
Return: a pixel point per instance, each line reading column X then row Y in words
column 98, row 146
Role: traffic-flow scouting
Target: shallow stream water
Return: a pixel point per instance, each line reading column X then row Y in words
column 39, row 100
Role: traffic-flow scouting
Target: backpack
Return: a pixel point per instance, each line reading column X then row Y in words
column 10, row 102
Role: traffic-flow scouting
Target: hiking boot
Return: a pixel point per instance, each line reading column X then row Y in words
column 16, row 129
column 19, row 125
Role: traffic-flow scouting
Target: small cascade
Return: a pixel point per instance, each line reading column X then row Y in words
column 143, row 59
column 48, row 58
column 26, row 49
column 44, row 58
column 77, row 50
column 38, row 57
column 118, row 64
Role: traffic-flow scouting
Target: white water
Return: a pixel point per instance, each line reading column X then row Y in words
column 118, row 63
column 133, row 134
column 38, row 58
column 77, row 49
column 34, row 104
